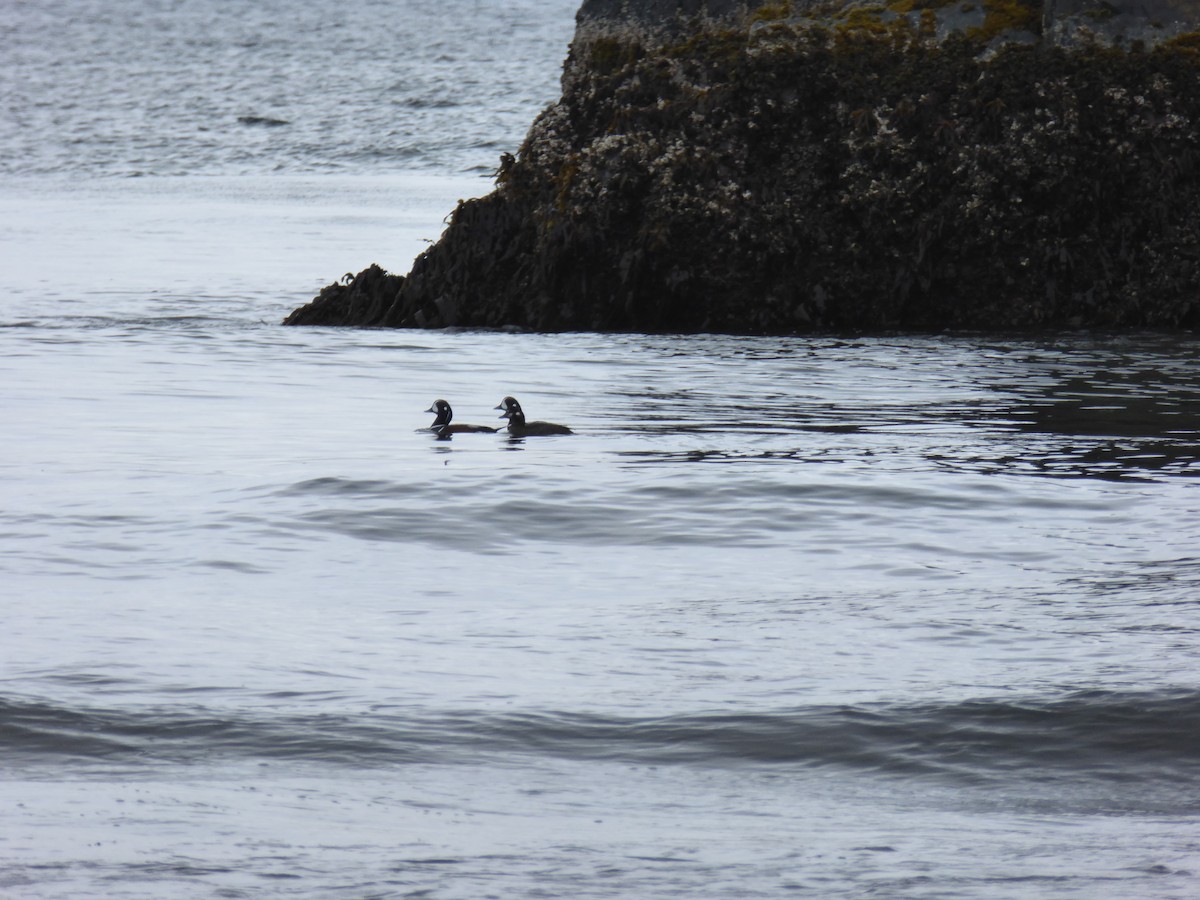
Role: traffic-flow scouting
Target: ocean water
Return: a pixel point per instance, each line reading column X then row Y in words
column 896, row 616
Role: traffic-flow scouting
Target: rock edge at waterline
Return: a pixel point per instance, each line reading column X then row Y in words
column 790, row 166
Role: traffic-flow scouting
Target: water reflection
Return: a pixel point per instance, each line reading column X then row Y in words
column 1076, row 407
column 1129, row 410
column 1165, row 582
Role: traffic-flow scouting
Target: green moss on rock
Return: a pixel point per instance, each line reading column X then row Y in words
column 1010, row 15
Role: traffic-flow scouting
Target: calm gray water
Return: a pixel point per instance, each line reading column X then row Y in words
column 158, row 87
column 909, row 617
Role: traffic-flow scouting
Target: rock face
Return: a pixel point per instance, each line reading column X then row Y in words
column 718, row 165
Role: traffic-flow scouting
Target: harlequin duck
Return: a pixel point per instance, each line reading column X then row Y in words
column 518, row 427
column 441, row 425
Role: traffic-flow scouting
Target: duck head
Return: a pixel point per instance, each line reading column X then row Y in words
column 444, row 414
column 512, row 411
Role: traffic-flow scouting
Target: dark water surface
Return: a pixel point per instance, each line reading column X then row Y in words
column 906, row 616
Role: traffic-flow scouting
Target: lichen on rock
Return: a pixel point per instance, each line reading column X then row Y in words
column 791, row 166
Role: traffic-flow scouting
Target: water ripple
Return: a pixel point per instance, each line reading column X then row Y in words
column 1126, row 738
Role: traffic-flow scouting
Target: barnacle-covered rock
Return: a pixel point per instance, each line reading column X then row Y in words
column 784, row 166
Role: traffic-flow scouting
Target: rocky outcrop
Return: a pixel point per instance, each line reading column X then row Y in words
column 716, row 165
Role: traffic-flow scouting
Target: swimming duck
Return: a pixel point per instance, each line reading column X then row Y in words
column 441, row 425
column 517, row 425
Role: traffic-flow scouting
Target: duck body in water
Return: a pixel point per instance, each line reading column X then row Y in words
column 441, row 425
column 518, row 427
